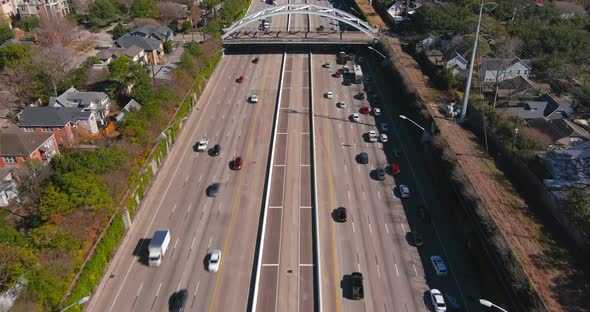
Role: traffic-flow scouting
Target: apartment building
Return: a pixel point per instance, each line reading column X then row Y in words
column 28, row 8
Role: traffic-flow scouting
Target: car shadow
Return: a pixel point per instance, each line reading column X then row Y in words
column 206, row 261
column 409, row 239
column 141, row 250
column 346, row 286
column 426, row 299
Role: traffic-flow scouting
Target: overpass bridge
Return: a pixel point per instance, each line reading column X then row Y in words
column 249, row 31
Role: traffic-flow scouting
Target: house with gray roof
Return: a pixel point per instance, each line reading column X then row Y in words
column 568, row 167
column 64, row 122
column 456, row 63
column 154, row 48
column 161, row 33
column 134, row 53
column 18, row 146
column 97, row 102
column 495, row 70
column 127, row 108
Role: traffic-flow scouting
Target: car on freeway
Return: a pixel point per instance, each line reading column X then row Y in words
column 365, row 110
column 417, row 239
column 201, row 146
column 384, row 138
column 253, row 98
column 439, row 266
column 363, row 158
column 360, row 96
column 255, row 60
column 380, row 173
column 214, row 259
column 341, row 105
column 213, row 190
column 329, row 95
column 423, row 214
column 346, row 82
column 438, row 301
column 178, row 301
column 384, row 126
column 215, row 150
column 404, row 191
column 355, row 117
column 236, row 164
column 240, row 79
column 338, row 74
column 377, row 111
column 394, row 168
column 327, row 65
column 340, row 214
column 372, row 136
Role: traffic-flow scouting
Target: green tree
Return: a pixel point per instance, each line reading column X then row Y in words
column 119, row 30
column 50, row 237
column 54, row 202
column 103, row 12
column 5, row 33
column 49, row 284
column 14, row 262
column 193, row 48
column 167, row 47
column 186, row 60
column 213, row 28
column 11, row 54
column 126, row 72
column 135, row 125
column 186, row 26
column 444, row 19
column 89, row 191
column 145, row 8
column 577, row 205
column 28, row 23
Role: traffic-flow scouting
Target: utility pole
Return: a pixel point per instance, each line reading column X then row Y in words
column 468, row 85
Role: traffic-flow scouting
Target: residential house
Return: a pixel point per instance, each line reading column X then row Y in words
column 427, row 43
column 127, row 108
column 51, row 8
column 8, row 188
column 134, row 53
column 8, row 9
column 400, row 10
column 153, row 48
column 64, row 122
column 495, row 70
column 161, row 33
column 568, row 167
column 18, row 146
column 97, row 102
column 14, row 41
column 434, row 56
column 456, row 63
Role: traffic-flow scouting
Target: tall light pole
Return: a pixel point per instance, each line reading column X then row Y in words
column 426, row 136
column 371, row 48
column 489, row 304
column 80, row 301
column 468, row 85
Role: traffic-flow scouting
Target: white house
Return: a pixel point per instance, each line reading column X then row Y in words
column 8, row 189
column 496, row 70
column 456, row 64
column 97, row 102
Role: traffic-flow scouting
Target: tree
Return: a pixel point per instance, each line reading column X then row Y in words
column 193, row 48
column 14, row 262
column 5, row 33
column 11, row 54
column 145, row 8
column 213, row 29
column 54, row 31
column 119, row 30
column 20, row 81
column 102, row 12
column 54, row 202
column 186, row 26
column 28, row 23
column 32, row 178
column 88, row 191
column 447, row 18
column 167, row 47
column 577, row 205
column 171, row 10
column 55, row 63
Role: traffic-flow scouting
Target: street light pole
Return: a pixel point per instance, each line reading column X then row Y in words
column 473, row 52
column 410, row 120
column 489, row 304
column 371, row 48
column 81, row 301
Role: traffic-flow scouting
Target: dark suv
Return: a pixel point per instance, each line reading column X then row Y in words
column 340, row 214
column 179, row 301
column 363, row 158
column 216, row 150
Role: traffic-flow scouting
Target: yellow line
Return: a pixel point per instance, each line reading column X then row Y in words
column 336, row 283
column 236, row 198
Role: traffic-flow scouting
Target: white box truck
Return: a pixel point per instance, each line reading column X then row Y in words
column 158, row 246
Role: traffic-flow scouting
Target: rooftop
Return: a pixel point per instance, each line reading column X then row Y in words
column 49, row 116
column 15, row 142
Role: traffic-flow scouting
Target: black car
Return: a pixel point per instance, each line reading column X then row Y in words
column 179, row 301
column 340, row 214
column 363, row 158
column 255, row 60
column 423, row 214
column 216, row 150
column 346, row 83
column 213, row 190
column 380, row 173
column 417, row 239
column 360, row 96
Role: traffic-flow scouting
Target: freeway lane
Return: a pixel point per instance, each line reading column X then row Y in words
column 199, row 224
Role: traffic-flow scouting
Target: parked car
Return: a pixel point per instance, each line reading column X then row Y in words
column 438, row 301
column 327, row 65
column 346, row 82
column 384, row 127
column 355, row 117
column 253, row 98
column 439, row 266
column 237, row 163
column 240, row 79
column 360, row 96
column 404, row 191
column 201, row 145
column 363, row 158
column 338, row 74
column 214, row 260
column 365, row 110
column 340, row 214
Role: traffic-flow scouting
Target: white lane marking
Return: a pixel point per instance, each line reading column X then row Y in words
column 178, row 287
column 282, row 133
column 378, row 271
column 275, row 207
column 193, row 243
column 279, row 165
column 348, row 194
column 306, row 264
column 186, row 180
column 386, row 228
column 189, row 207
column 210, row 240
column 353, row 227
column 396, row 271
column 379, row 194
column 157, row 292
column 200, row 178
column 305, row 207
column 204, row 206
column 219, row 208
column 340, row 124
column 173, row 208
column 270, row 264
column 403, row 228
column 305, row 165
column 197, row 289
column 364, row 197
column 415, row 271
column 139, row 290
column 213, row 178
column 227, row 180
column 393, row 193
column 176, row 243
column 370, row 228
column 359, row 267
column 345, row 168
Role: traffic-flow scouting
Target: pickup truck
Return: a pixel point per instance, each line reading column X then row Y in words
column 358, row 291
column 202, row 145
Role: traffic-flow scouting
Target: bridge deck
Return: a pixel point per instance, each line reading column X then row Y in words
column 297, row 37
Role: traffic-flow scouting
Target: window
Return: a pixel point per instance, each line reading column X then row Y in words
column 518, row 72
column 48, row 144
column 526, row 72
column 9, row 160
column 47, row 130
column 28, row 129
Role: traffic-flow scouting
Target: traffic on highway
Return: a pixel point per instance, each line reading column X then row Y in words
column 295, row 187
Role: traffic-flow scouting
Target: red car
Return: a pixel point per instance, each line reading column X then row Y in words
column 338, row 74
column 394, row 169
column 240, row 79
column 365, row 110
column 237, row 163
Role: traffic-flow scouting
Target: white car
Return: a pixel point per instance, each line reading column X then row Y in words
column 376, row 111
column 329, row 95
column 202, row 145
column 327, row 65
column 254, row 98
column 384, row 138
column 438, row 301
column 341, row 104
column 355, row 117
column 384, row 127
column 439, row 266
column 214, row 261
column 404, row 191
column 372, row 134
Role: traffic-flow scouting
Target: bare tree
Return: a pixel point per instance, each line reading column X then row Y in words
column 55, row 62
column 31, row 180
column 138, row 22
column 54, row 30
column 506, row 51
column 127, row 4
column 171, row 10
column 19, row 80
column 81, row 6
